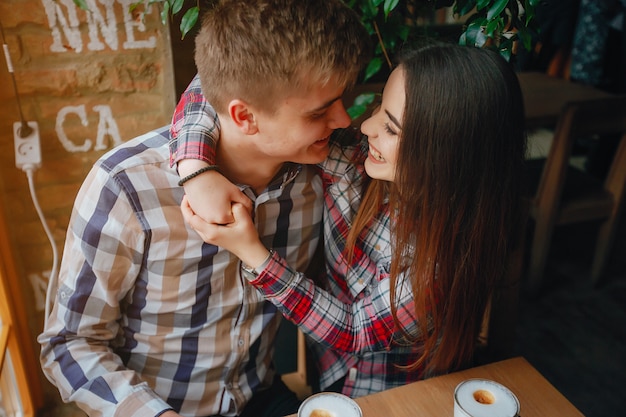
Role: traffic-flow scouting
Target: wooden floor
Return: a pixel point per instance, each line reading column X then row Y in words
column 574, row 334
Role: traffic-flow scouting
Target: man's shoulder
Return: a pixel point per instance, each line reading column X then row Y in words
column 148, row 148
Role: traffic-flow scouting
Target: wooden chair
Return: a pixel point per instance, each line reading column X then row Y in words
column 567, row 195
column 299, row 381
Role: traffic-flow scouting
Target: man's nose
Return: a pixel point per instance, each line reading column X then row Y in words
column 339, row 117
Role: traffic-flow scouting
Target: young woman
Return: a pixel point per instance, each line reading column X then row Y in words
column 419, row 219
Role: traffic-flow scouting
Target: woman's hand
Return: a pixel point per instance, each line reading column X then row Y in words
column 211, row 194
column 239, row 237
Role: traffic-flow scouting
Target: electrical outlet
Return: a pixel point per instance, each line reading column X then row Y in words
column 27, row 149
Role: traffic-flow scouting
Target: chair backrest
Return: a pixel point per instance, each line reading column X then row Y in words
column 578, row 120
column 568, row 195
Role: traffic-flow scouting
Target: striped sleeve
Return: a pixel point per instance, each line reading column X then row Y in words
column 99, row 268
column 366, row 325
column 195, row 127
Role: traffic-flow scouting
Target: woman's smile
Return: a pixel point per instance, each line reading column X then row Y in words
column 375, row 155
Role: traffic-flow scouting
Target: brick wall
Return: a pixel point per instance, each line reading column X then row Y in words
column 91, row 82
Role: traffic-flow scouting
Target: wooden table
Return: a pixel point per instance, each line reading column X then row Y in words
column 434, row 397
column 545, row 96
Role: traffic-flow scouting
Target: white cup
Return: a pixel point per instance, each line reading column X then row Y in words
column 484, row 398
column 329, row 404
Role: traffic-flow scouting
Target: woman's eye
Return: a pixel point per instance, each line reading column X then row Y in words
column 389, row 130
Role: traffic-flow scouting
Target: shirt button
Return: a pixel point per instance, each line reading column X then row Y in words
column 229, row 385
column 240, row 342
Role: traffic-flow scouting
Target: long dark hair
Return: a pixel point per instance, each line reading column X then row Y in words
column 456, row 199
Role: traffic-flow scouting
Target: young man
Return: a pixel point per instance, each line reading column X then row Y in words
column 150, row 321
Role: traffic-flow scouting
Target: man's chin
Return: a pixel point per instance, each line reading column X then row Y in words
column 312, row 158
column 319, row 156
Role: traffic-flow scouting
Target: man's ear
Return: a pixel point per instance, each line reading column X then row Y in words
column 243, row 117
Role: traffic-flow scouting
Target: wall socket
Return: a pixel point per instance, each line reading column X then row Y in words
column 27, row 149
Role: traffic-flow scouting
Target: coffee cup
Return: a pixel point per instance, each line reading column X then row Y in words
column 329, row 404
column 484, row 398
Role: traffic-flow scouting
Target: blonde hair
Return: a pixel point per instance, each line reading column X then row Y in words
column 260, row 50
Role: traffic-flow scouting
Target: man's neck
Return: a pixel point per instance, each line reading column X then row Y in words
column 242, row 163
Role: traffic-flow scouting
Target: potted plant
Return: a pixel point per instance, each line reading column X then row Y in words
column 498, row 24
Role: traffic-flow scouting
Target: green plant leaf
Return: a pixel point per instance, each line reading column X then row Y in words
column 463, row 7
column 474, row 34
column 463, row 39
column 82, row 4
column 360, row 105
column 506, row 48
column 497, row 8
column 529, row 8
column 165, row 12
column 369, row 9
column 189, row 20
column 365, row 99
column 481, row 4
column 373, row 68
column 389, row 6
column 177, row 6
column 493, row 26
column 506, row 53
